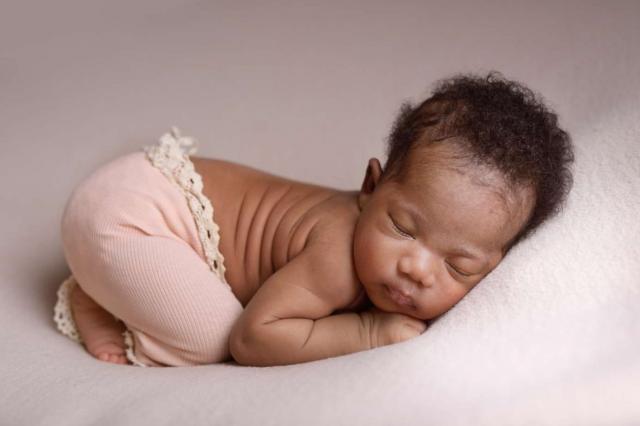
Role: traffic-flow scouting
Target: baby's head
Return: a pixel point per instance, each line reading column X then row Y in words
column 471, row 171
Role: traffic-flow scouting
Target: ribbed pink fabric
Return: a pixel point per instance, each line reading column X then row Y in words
column 131, row 242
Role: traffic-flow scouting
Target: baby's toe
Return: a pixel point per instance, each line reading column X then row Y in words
column 113, row 358
column 117, row 358
column 122, row 359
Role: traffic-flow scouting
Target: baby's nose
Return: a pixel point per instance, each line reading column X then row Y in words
column 417, row 267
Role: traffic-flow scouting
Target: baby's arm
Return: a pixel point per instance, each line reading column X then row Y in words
column 289, row 318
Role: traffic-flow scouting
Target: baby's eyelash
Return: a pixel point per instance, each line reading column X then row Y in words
column 399, row 229
column 458, row 271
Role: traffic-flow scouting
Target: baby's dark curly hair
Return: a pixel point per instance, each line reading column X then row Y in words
column 502, row 124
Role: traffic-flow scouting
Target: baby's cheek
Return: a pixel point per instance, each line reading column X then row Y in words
column 371, row 259
column 362, row 255
column 447, row 298
column 455, row 296
column 364, row 241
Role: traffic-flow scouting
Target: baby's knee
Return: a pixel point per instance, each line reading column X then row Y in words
column 197, row 340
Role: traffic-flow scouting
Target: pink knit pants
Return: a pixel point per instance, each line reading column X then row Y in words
column 133, row 245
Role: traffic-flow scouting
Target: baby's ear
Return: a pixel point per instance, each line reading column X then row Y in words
column 370, row 182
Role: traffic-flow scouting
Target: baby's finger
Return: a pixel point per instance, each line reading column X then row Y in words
column 420, row 326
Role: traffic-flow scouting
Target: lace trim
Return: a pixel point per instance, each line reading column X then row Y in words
column 62, row 311
column 170, row 156
column 128, row 341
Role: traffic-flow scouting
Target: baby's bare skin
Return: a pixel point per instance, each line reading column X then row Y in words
column 265, row 220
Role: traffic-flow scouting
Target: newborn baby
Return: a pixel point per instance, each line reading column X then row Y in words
column 300, row 272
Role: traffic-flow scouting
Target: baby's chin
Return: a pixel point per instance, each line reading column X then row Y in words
column 409, row 312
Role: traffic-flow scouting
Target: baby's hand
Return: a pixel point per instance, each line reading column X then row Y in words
column 387, row 328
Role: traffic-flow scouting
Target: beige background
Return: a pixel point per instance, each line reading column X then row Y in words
column 303, row 89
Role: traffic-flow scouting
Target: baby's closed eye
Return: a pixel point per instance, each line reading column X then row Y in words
column 399, row 229
column 460, row 271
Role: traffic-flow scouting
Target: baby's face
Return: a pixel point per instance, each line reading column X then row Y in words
column 422, row 244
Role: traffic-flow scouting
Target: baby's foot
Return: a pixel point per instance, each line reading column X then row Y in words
column 100, row 331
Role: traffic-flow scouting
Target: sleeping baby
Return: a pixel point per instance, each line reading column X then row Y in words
column 285, row 271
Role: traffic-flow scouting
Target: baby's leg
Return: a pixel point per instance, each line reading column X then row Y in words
column 100, row 332
column 177, row 310
column 132, row 245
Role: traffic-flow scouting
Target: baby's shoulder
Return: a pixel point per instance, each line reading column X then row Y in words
column 335, row 221
column 331, row 241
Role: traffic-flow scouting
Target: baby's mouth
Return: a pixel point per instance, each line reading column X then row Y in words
column 397, row 297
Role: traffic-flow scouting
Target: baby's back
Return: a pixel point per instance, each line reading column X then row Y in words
column 266, row 220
